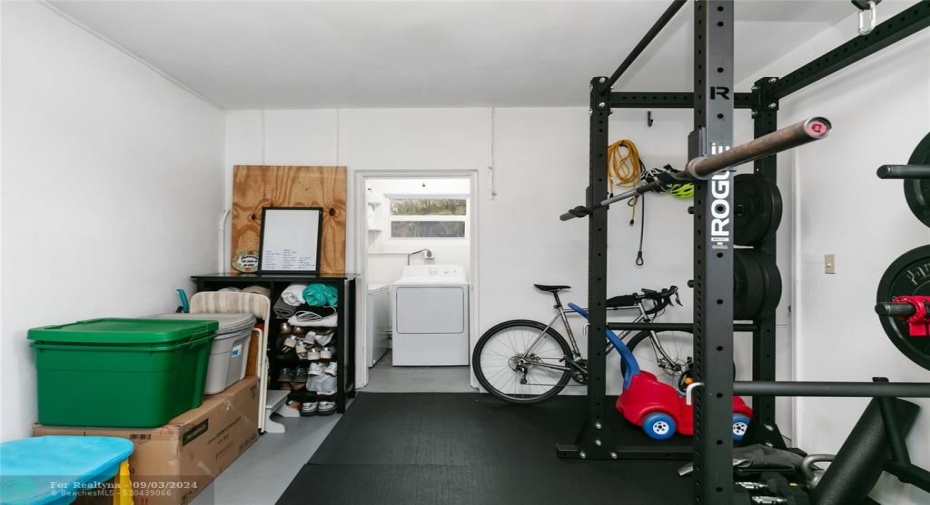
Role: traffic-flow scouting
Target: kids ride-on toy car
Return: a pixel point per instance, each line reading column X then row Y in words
column 659, row 408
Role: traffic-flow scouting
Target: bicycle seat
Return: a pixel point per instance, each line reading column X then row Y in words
column 551, row 289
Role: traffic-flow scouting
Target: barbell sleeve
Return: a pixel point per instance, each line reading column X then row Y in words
column 798, row 134
column 903, row 172
column 894, row 309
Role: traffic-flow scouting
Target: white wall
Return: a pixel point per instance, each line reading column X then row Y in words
column 110, row 189
column 880, row 109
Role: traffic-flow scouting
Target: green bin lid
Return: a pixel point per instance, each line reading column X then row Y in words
column 124, row 332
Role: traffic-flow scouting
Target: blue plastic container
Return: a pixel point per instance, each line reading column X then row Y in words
column 53, row 469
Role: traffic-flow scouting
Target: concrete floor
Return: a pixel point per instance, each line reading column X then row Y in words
column 261, row 475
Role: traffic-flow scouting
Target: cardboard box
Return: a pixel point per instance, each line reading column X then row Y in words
column 172, row 464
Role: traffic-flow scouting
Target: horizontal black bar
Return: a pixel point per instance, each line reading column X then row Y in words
column 903, row 172
column 663, row 100
column 909, row 474
column 658, row 452
column 686, row 327
column 906, row 23
column 895, row 309
column 851, row 389
column 660, row 23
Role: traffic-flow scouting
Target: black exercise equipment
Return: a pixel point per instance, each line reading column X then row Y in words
column 758, row 209
column 916, row 175
column 907, row 276
column 713, row 100
column 756, row 284
column 860, row 461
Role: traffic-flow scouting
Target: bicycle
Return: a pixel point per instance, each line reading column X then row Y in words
column 523, row 361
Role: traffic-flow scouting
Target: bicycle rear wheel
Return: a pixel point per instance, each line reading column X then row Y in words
column 520, row 361
column 675, row 366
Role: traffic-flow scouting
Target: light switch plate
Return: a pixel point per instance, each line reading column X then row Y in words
column 829, row 263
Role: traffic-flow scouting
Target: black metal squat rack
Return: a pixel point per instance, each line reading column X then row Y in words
column 713, row 101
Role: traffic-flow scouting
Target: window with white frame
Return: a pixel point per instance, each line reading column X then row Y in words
column 425, row 217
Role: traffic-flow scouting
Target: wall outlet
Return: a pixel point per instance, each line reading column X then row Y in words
column 829, row 263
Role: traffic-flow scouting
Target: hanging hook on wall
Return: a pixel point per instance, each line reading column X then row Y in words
column 867, row 23
column 649, row 118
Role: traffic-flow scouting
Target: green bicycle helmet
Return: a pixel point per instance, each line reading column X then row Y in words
column 685, row 190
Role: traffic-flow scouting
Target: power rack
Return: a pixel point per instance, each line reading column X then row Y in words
column 713, row 101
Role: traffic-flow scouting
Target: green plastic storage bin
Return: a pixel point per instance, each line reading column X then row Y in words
column 121, row 373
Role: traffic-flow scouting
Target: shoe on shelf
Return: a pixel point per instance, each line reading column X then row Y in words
column 300, row 375
column 316, row 368
column 285, row 329
column 294, row 404
column 326, row 353
column 324, row 338
column 297, row 331
column 308, row 409
column 330, row 369
column 326, row 408
column 314, row 354
column 286, row 375
column 323, row 384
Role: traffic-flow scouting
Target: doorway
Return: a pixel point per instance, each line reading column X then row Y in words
column 417, row 252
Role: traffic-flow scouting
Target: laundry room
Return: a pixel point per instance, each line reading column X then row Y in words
column 418, row 261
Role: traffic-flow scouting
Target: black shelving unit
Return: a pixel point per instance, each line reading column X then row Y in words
column 344, row 336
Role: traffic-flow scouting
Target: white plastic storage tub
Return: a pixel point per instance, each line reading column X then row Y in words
column 230, row 352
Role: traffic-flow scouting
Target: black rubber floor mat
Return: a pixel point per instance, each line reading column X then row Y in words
column 573, row 482
column 461, row 430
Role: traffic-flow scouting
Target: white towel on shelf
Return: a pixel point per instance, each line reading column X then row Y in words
column 294, row 294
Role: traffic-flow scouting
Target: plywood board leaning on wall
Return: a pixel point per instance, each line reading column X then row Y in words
column 258, row 186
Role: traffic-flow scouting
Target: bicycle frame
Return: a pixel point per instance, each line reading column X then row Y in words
column 576, row 353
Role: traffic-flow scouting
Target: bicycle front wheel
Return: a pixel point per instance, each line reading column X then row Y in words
column 668, row 356
column 522, row 361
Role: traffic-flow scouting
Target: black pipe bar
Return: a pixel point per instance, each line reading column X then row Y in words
column 786, row 138
column 663, row 100
column 909, row 474
column 894, row 29
column 903, row 172
column 850, row 389
column 660, row 23
column 685, row 327
column 895, row 309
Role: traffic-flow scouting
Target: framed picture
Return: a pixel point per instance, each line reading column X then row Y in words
column 290, row 240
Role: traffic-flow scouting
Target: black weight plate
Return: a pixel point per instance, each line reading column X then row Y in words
column 907, row 275
column 917, row 191
column 748, row 285
column 757, row 209
column 772, row 283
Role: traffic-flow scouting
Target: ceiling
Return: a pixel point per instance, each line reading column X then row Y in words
column 323, row 54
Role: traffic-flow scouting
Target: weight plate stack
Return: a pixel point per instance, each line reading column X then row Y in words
column 909, row 275
column 756, row 284
column 917, row 191
column 757, row 209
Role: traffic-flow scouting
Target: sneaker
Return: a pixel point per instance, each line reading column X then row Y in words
column 326, row 353
column 290, row 341
column 314, row 354
column 286, row 375
column 316, row 369
column 294, row 404
column 324, row 338
column 300, row 375
column 326, row 408
column 308, row 409
column 330, row 369
column 323, row 385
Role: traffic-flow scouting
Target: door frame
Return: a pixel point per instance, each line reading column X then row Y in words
column 360, row 255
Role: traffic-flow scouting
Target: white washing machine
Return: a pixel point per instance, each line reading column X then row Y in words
column 429, row 305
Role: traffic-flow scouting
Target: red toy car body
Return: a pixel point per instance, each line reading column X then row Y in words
column 647, row 396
